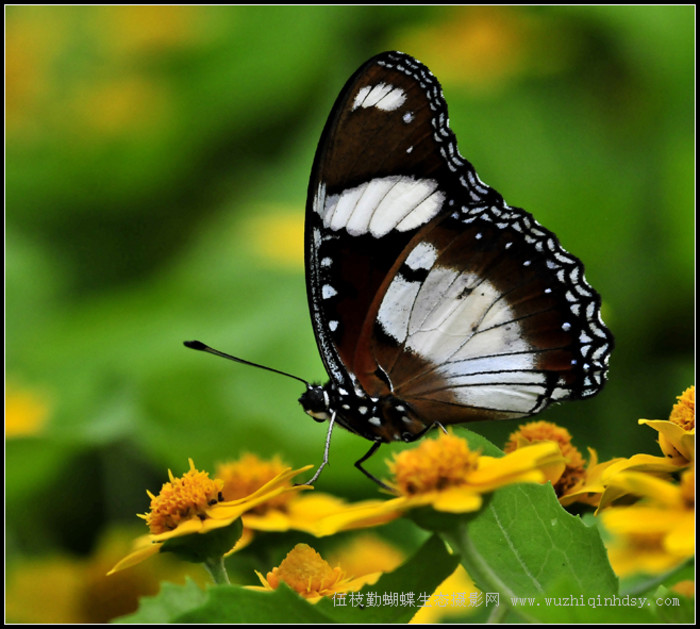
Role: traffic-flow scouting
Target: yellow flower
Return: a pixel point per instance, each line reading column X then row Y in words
column 193, row 505
column 308, row 574
column 677, row 434
column 656, row 534
column 314, row 513
column 597, row 489
column 183, row 502
column 446, row 475
column 677, row 441
column 541, row 431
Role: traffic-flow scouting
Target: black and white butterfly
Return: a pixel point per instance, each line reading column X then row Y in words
column 433, row 301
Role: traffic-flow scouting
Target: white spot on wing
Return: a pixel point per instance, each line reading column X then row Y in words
column 381, row 205
column 327, row 291
column 320, row 204
column 407, row 204
column 382, row 96
column 520, row 398
column 342, row 206
column 395, row 309
column 423, row 257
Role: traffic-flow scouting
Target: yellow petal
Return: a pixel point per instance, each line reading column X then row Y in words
column 187, row 527
column 681, row 540
column 638, row 519
column 137, row 556
column 367, row 513
column 673, row 439
column 521, row 465
column 645, row 485
column 457, row 500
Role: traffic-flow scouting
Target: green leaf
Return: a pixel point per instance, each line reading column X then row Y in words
column 671, row 607
column 167, row 605
column 524, row 544
column 223, row 603
column 226, row 604
column 479, row 442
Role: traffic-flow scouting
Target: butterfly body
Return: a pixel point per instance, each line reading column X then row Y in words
column 432, row 300
column 381, row 419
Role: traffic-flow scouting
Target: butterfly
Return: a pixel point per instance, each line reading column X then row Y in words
column 433, row 301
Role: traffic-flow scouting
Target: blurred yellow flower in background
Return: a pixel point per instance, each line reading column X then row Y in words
column 485, row 48
column 277, row 237
column 366, row 554
column 27, row 410
column 78, row 590
column 657, row 533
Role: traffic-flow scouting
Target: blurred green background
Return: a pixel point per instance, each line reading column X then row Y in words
column 157, row 160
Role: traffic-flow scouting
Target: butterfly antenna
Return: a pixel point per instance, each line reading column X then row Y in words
column 210, row 350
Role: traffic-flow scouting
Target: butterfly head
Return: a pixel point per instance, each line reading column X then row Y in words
column 316, row 402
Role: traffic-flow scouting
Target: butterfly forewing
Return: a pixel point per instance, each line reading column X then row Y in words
column 424, row 285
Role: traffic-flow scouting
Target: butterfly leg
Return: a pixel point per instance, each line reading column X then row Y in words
column 326, row 450
column 358, row 465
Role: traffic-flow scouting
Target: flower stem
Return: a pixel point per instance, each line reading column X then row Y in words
column 217, row 570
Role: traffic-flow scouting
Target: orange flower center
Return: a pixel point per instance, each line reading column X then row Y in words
column 182, row 499
column 245, row 476
column 539, row 431
column 683, row 412
column 435, row 465
column 306, row 572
